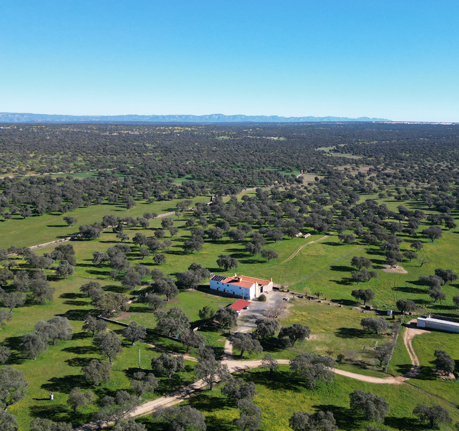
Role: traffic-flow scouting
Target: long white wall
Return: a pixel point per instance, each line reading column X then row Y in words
column 438, row 325
column 235, row 290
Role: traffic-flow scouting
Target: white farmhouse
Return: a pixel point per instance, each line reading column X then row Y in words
column 241, row 285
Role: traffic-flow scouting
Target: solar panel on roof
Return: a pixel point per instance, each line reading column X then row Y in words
column 218, row 277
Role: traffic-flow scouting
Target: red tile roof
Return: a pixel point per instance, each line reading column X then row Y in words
column 253, row 280
column 240, row 304
column 238, row 282
column 242, row 281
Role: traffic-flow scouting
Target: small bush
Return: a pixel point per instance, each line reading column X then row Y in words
column 262, row 298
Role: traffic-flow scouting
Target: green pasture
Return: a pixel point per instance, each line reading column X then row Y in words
column 334, row 331
column 401, row 361
column 178, row 261
column 84, row 174
column 280, row 396
column 331, row 274
column 425, row 345
column 58, row 370
column 320, row 266
column 49, row 227
column 191, row 301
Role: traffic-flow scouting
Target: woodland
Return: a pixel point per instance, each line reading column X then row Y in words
column 109, row 234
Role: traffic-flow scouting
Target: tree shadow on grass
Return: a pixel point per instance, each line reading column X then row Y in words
column 378, row 263
column 66, row 384
column 218, row 423
column 341, row 268
column 164, row 343
column 14, row 343
column 208, row 403
column 253, row 260
column 81, row 350
column 404, row 368
column 137, row 309
column 50, row 410
column 345, row 281
column 76, row 303
column 422, row 302
column 101, row 391
column 346, row 302
column 354, row 333
column 129, row 372
column 167, row 386
column 99, row 275
column 178, row 253
column 80, row 336
column 409, row 289
column 446, row 307
column 72, row 295
column 76, row 315
column 274, row 344
column 345, row 418
column 426, row 373
column 375, row 252
column 408, row 424
column 91, row 265
column 333, row 244
column 65, row 236
column 280, row 380
column 15, row 359
column 78, row 362
column 114, row 288
column 419, row 283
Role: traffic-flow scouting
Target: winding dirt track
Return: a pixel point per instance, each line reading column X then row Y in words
column 410, row 332
column 301, row 248
column 34, row 247
column 69, row 238
column 237, row 366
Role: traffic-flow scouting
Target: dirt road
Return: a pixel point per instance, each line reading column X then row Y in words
column 410, row 332
column 300, row 248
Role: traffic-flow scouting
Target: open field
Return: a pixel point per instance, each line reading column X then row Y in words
column 280, row 396
column 425, row 347
column 49, row 227
column 191, row 301
column 333, row 330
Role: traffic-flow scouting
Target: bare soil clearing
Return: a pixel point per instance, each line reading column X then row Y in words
column 397, row 269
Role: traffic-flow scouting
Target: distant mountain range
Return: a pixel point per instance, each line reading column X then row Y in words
column 9, row 117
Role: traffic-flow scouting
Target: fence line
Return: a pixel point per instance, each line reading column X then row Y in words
column 395, row 343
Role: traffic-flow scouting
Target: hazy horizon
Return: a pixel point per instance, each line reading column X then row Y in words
column 292, row 59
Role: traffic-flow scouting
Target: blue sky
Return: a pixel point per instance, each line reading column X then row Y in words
column 392, row 59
